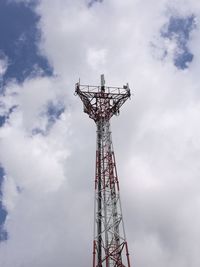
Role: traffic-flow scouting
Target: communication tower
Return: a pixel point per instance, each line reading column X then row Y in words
column 110, row 247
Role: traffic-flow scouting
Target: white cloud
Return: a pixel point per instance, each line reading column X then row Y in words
column 3, row 64
column 156, row 139
column 97, row 58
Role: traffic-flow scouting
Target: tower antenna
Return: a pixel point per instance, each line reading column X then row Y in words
column 110, row 247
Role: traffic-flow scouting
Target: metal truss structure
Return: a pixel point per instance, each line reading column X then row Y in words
column 110, row 247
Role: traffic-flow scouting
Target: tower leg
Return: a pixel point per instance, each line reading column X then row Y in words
column 111, row 249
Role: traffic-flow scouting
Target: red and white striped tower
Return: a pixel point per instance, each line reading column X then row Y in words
column 110, row 247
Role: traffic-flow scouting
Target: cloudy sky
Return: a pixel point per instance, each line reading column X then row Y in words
column 47, row 143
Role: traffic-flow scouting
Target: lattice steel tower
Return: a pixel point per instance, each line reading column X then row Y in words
column 110, row 247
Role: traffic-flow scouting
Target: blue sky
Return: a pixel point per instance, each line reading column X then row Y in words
column 180, row 28
column 19, row 37
column 47, row 144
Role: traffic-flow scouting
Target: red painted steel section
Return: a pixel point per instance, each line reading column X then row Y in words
column 127, row 254
column 94, row 253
